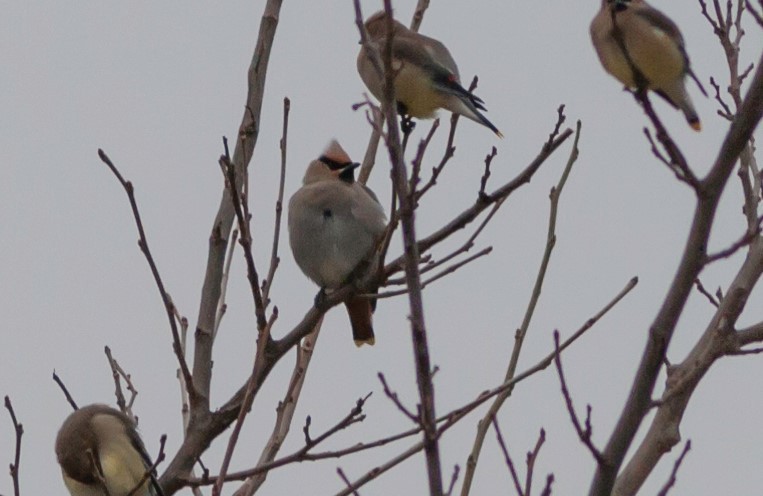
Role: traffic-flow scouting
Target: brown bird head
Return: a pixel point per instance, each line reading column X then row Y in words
column 376, row 25
column 332, row 165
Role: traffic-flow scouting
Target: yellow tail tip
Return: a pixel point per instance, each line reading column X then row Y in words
column 696, row 126
column 361, row 342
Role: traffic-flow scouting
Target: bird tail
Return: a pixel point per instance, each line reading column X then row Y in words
column 464, row 103
column 680, row 99
column 361, row 314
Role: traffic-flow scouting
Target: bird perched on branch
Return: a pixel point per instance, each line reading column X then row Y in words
column 101, row 454
column 426, row 76
column 335, row 225
column 630, row 36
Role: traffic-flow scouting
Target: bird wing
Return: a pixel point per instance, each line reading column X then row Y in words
column 661, row 22
column 369, row 212
column 137, row 443
column 435, row 59
column 664, row 24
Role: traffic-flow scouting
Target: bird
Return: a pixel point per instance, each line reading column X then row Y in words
column 335, row 225
column 101, row 454
column 655, row 47
column 426, row 77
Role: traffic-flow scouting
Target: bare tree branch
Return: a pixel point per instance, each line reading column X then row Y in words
column 203, row 426
column 692, row 262
column 65, row 390
column 555, row 195
column 583, row 433
column 672, row 480
column 274, row 258
column 19, row 432
column 411, row 254
column 169, row 307
column 453, row 417
column 507, row 458
column 117, row 372
column 246, row 404
column 285, row 412
column 346, row 481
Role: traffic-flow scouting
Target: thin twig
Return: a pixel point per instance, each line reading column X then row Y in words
column 65, row 390
column 549, row 482
column 346, row 481
column 118, row 372
column 246, row 406
column 583, row 433
column 453, row 417
column 453, row 480
column 758, row 16
column 303, row 454
column 507, row 457
column 672, row 480
column 169, row 307
column 554, row 198
column 240, row 206
column 19, row 431
column 439, row 275
column 707, row 295
column 150, row 472
column 743, row 241
column 396, row 400
column 222, row 306
column 532, row 457
column 274, row 258
column 284, row 411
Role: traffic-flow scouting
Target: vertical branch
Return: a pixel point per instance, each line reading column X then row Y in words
column 19, row 430
column 241, row 208
column 221, row 228
column 202, row 426
column 412, row 275
column 246, row 405
column 285, row 411
column 274, row 258
column 411, row 252
column 519, row 337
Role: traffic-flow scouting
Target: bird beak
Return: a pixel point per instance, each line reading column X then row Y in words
column 347, row 173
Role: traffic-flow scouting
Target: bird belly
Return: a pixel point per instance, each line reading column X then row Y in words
column 79, row 489
column 123, row 469
column 658, row 58
column 614, row 61
column 330, row 249
column 414, row 89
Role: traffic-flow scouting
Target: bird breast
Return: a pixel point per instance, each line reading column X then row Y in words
column 327, row 236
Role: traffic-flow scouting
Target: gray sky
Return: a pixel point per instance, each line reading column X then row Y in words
column 156, row 85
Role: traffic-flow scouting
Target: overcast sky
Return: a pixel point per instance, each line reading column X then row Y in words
column 157, row 84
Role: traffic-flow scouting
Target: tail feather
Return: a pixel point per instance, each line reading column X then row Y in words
column 465, row 107
column 680, row 99
column 360, row 312
column 465, row 103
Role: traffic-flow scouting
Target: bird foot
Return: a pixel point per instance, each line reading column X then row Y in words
column 406, row 124
column 320, row 298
